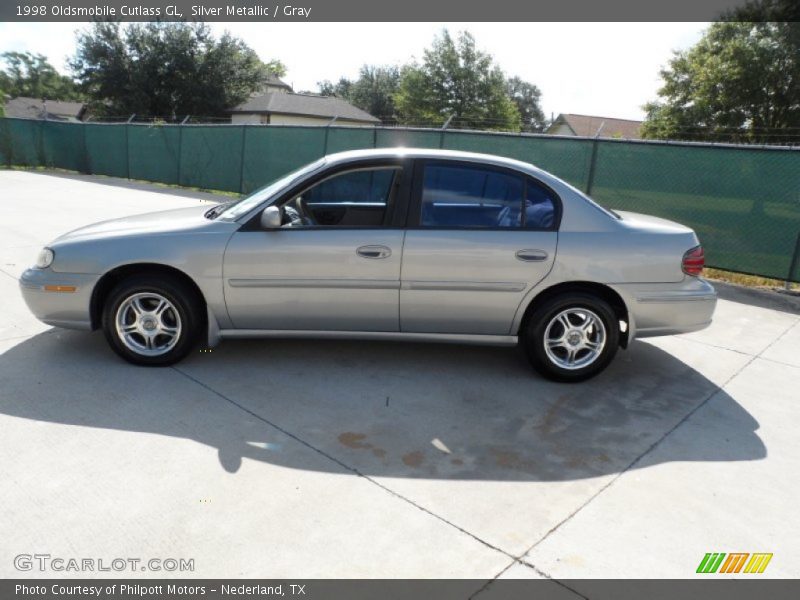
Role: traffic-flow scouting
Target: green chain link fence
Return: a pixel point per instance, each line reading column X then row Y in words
column 744, row 201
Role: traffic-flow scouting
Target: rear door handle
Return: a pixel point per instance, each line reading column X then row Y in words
column 531, row 255
column 374, row 251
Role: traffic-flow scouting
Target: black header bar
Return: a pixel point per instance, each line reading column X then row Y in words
column 366, row 10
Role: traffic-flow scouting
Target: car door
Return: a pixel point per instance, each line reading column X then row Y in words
column 480, row 238
column 334, row 264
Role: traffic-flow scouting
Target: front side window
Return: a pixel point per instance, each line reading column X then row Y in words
column 234, row 210
column 360, row 198
column 465, row 196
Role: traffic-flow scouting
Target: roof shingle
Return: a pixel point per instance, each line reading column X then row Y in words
column 308, row 105
column 590, row 126
column 32, row 108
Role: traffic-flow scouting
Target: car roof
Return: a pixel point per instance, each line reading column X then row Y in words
column 401, row 152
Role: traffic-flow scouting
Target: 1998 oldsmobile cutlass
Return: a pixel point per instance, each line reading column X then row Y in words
column 392, row 244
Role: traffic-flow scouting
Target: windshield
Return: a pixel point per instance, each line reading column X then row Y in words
column 235, row 210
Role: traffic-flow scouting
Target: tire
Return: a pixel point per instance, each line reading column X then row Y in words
column 576, row 352
column 152, row 320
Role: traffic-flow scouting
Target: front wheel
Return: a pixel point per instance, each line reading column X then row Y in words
column 571, row 337
column 151, row 320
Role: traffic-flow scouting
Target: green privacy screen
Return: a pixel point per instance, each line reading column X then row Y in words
column 744, row 202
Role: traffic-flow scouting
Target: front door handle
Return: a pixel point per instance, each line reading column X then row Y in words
column 531, row 255
column 374, row 251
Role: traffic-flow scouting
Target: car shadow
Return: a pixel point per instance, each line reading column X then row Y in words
column 382, row 409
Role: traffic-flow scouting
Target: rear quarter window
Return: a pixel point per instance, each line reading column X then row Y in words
column 540, row 206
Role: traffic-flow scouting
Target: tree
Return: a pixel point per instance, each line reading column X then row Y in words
column 341, row 88
column 740, row 82
column 456, row 80
column 166, row 69
column 31, row 75
column 527, row 97
column 373, row 91
column 777, row 11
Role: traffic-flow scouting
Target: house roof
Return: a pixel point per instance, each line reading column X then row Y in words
column 308, row 105
column 33, row 108
column 590, row 126
column 275, row 81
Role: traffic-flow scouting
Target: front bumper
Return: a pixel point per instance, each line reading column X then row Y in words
column 59, row 299
column 669, row 308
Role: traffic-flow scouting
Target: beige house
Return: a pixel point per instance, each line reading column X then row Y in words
column 277, row 104
column 590, row 126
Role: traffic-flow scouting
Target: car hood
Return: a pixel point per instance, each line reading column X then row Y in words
column 167, row 221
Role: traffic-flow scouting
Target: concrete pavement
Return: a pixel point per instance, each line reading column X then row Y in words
column 362, row 459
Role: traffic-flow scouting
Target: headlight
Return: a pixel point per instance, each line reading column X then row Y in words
column 45, row 258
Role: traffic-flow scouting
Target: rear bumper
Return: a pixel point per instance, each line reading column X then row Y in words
column 669, row 308
column 59, row 299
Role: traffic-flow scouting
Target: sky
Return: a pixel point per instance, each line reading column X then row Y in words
column 602, row 69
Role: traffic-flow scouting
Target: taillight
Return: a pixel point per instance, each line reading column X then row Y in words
column 693, row 261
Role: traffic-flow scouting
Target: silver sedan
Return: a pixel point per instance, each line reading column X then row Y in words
column 391, row 244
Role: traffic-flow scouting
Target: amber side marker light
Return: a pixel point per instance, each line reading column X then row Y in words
column 68, row 289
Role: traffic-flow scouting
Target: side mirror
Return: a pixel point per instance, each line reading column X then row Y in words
column 271, row 218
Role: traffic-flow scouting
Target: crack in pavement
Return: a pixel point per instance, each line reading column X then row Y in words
column 527, row 565
column 4, row 272
column 742, row 352
column 652, row 447
column 343, row 464
column 515, row 559
column 709, row 345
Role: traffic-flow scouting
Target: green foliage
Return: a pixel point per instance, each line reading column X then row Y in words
column 166, row 69
column 30, row 75
column 373, row 91
column 527, row 98
column 777, row 11
column 455, row 79
column 740, row 83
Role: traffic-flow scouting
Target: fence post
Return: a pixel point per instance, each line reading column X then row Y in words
column 327, row 130
column 5, row 140
column 592, row 165
column 128, row 146
column 444, row 128
column 180, row 146
column 241, row 159
column 86, row 168
column 41, row 158
column 793, row 263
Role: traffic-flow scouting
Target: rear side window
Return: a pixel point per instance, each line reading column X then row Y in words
column 474, row 197
column 462, row 196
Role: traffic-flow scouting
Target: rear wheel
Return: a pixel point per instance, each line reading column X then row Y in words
column 151, row 320
column 571, row 337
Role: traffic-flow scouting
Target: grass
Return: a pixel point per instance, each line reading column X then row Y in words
column 154, row 183
column 754, row 281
